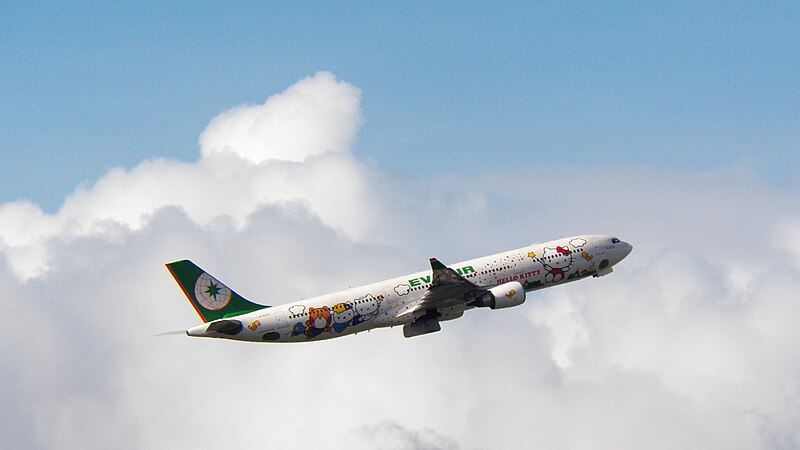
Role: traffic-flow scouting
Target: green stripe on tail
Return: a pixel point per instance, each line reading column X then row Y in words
column 210, row 298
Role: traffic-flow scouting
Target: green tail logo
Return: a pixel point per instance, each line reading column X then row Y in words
column 210, row 298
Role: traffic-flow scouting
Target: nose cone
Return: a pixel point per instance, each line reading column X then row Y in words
column 626, row 249
column 622, row 250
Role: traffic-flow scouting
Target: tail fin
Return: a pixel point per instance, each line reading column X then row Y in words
column 210, row 298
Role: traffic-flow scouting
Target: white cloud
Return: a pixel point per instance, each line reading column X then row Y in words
column 294, row 147
column 787, row 237
column 691, row 342
column 316, row 115
column 390, row 435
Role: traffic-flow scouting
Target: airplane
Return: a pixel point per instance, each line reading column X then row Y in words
column 418, row 302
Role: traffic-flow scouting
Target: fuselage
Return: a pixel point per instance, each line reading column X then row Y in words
column 391, row 302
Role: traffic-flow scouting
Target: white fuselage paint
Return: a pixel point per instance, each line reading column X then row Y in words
column 383, row 304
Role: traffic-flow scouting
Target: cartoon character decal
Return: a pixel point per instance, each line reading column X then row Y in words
column 528, row 285
column 297, row 311
column 366, row 308
column 271, row 336
column 298, row 329
column 577, row 242
column 402, row 289
column 254, row 325
column 343, row 315
column 334, row 319
column 319, row 321
column 556, row 262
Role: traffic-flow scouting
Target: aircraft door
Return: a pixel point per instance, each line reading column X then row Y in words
column 525, row 263
column 268, row 322
column 601, row 257
column 282, row 320
column 387, row 295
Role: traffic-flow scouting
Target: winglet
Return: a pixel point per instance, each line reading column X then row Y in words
column 447, row 288
column 436, row 265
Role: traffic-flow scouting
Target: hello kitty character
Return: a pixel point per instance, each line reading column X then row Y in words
column 343, row 315
column 556, row 262
column 366, row 308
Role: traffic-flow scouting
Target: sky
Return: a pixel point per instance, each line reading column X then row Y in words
column 91, row 86
column 295, row 150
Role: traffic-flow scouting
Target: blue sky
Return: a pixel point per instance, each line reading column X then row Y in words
column 447, row 87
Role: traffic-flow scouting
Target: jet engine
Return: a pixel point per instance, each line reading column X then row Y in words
column 505, row 295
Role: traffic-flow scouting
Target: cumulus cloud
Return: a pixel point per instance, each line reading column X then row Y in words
column 387, row 434
column 316, row 115
column 691, row 342
column 294, row 147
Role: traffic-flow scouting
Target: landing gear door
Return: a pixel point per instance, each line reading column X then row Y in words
column 601, row 259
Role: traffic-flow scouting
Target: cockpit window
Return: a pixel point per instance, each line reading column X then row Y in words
column 614, row 240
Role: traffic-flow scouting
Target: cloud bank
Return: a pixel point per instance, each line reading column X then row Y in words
column 692, row 342
column 294, row 147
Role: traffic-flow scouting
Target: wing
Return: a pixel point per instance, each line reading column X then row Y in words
column 447, row 288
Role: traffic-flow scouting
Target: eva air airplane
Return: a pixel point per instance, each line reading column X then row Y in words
column 418, row 302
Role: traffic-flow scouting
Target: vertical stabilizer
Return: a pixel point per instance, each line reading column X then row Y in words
column 210, row 298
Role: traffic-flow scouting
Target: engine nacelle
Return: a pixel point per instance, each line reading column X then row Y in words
column 505, row 295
